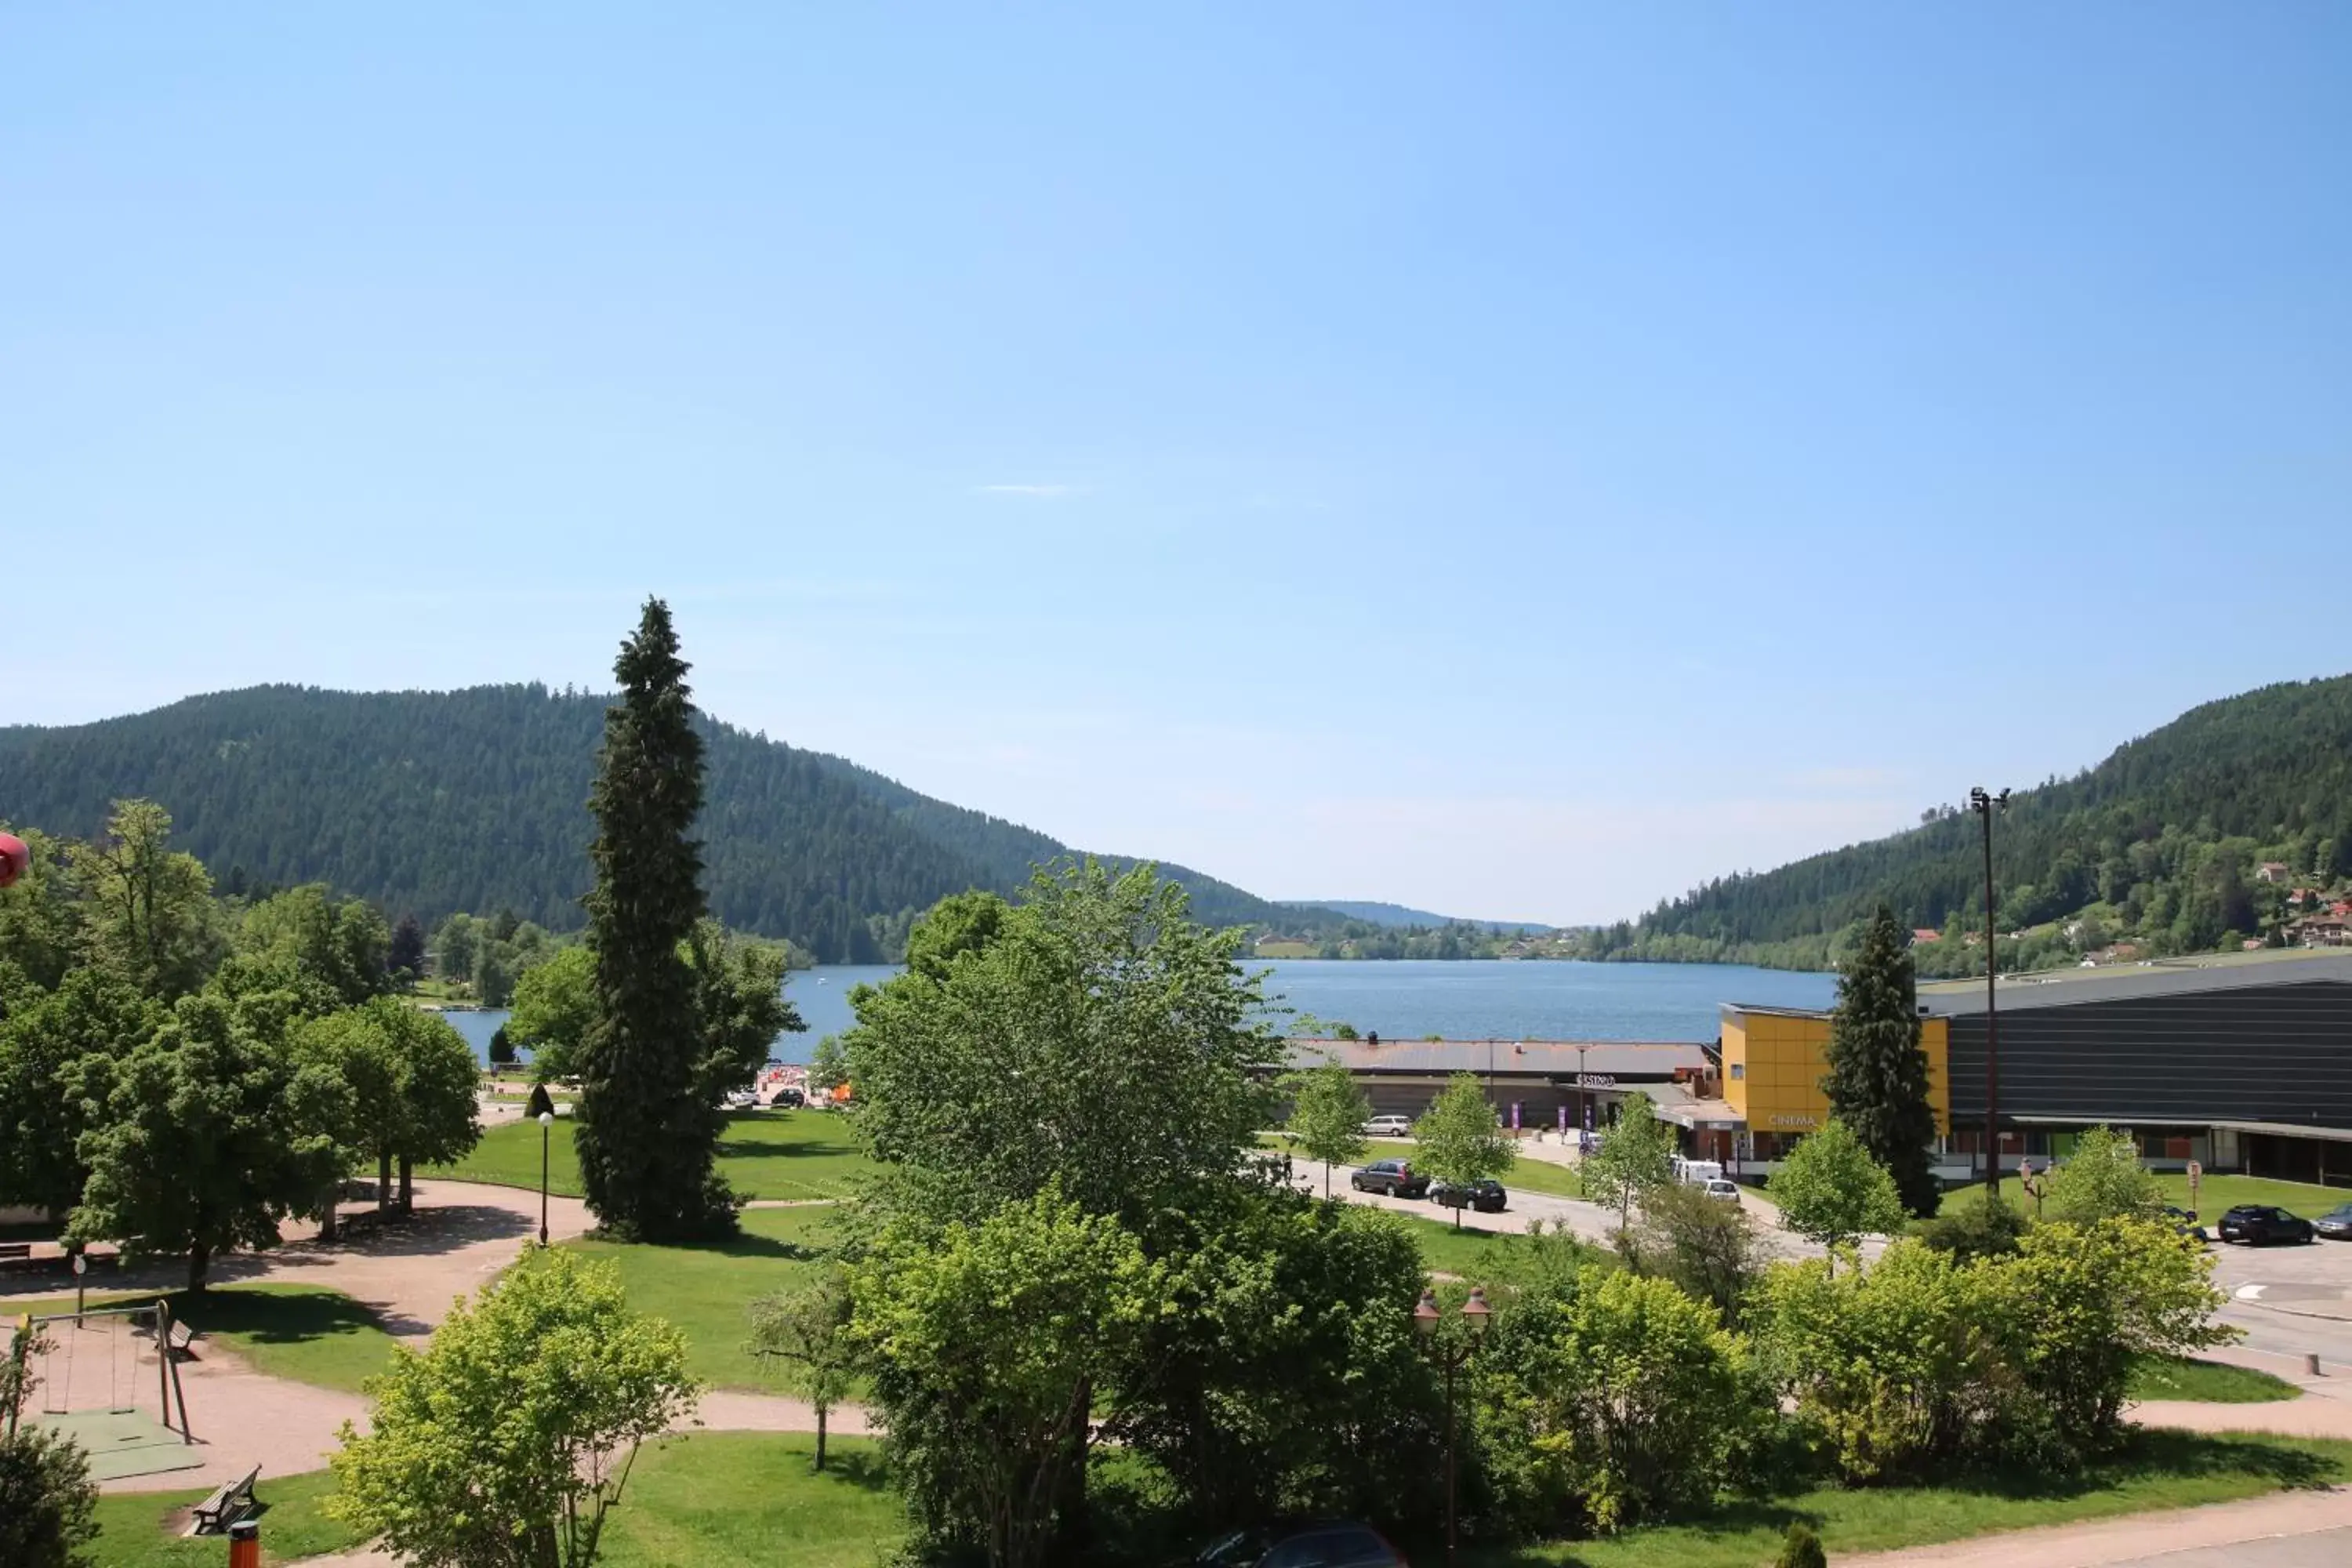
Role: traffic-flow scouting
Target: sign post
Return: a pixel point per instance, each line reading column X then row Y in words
column 2195, row 1171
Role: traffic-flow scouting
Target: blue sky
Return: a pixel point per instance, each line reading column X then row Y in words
column 1513, row 459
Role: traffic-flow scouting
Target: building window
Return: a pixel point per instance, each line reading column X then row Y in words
column 1739, row 1070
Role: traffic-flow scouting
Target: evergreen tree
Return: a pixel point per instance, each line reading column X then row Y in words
column 646, row 1138
column 1877, row 1082
column 406, row 956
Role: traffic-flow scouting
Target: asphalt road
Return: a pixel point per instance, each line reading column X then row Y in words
column 2320, row 1549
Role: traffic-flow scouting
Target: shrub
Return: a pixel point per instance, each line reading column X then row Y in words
column 1703, row 1244
column 1989, row 1229
column 1801, row 1548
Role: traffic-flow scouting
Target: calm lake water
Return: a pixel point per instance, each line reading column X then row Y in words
column 1405, row 999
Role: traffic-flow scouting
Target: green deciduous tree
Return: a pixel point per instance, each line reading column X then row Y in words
column 411, row 1079
column 1831, row 1190
column 739, row 1005
column 1877, row 1082
column 1700, row 1243
column 509, row 1441
column 57, row 1052
column 209, row 1134
column 1103, row 1041
column 1327, row 1112
column 987, row 1342
column 646, row 1140
column 1461, row 1141
column 2103, row 1179
column 1635, row 1155
column 554, row 1004
column 959, row 923
column 151, row 915
column 803, row 1338
column 342, row 942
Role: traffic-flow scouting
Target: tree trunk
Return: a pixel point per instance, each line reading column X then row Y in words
column 327, row 1216
column 200, row 1257
column 407, row 1186
column 383, row 1181
column 1074, row 1538
column 819, row 1436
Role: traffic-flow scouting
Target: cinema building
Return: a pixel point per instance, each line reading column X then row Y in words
column 2240, row 1062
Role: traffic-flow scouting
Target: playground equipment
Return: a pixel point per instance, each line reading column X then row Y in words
column 79, row 1351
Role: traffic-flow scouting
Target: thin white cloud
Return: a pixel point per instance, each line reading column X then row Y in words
column 1031, row 492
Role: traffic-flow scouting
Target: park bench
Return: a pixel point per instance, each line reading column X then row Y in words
column 181, row 1336
column 15, row 1249
column 225, row 1507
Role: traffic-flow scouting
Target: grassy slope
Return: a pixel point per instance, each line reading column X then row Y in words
column 765, row 1153
column 302, row 1332
column 2176, row 1377
column 132, row 1526
column 2162, row 1469
column 705, row 1289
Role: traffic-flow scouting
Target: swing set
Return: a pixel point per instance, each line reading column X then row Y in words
column 69, row 1343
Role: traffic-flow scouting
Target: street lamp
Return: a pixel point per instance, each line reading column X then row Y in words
column 1452, row 1357
column 1985, row 805
column 546, row 1122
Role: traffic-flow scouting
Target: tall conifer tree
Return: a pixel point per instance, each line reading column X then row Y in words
column 1877, row 1082
column 646, row 1139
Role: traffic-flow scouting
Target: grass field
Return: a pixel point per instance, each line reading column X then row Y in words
column 765, row 1153
column 302, row 1332
column 1529, row 1174
column 2176, row 1377
column 132, row 1531
column 704, row 1290
column 2161, row 1470
column 2214, row 1194
column 743, row 1500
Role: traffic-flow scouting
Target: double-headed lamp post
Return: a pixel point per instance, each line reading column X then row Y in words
column 1985, row 805
column 1426, row 1316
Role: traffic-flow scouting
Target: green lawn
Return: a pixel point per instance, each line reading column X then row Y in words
column 2214, row 1194
column 746, row 1500
column 133, row 1534
column 2161, row 1470
column 1529, row 1174
column 2180, row 1377
column 704, row 1290
column 302, row 1332
column 765, row 1153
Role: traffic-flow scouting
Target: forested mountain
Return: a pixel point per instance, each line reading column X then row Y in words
column 429, row 803
column 2162, row 846
column 1402, row 917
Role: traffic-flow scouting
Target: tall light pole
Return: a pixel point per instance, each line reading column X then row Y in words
column 542, row 1109
column 1453, row 1358
column 1985, row 805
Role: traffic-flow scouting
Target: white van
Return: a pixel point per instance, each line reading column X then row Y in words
column 1389, row 1127
column 1697, row 1173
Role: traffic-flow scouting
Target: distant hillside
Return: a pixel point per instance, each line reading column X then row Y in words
column 2194, row 836
column 434, row 801
column 1400, row 916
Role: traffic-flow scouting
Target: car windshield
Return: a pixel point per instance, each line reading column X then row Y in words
column 1236, row 1551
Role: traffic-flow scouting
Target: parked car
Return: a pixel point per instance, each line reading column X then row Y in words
column 1394, row 1177
column 2335, row 1224
column 1389, row 1127
column 1312, row 1545
column 1723, row 1189
column 2255, row 1224
column 2185, row 1222
column 1486, row 1195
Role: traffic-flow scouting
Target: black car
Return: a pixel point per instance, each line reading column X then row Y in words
column 2258, row 1223
column 1331, row 1544
column 1486, row 1196
column 2335, row 1224
column 1394, row 1177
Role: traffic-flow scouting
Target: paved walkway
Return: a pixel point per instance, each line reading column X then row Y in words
column 2231, row 1530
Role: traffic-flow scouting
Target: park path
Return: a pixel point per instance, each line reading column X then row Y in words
column 2132, row 1538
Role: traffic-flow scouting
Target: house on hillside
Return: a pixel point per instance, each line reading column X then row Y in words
column 2274, row 872
column 2333, row 929
column 1922, row 935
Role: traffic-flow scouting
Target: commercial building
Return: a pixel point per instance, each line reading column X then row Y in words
column 1559, row 1085
column 2240, row 1062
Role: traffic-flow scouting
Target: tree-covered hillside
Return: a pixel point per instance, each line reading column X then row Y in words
column 429, row 803
column 2161, row 846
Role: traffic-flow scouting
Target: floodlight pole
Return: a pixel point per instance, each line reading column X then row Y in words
column 1984, row 805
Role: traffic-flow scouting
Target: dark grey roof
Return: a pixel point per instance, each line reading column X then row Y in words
column 1618, row 1058
column 2124, row 982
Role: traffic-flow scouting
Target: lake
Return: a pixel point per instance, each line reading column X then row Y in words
column 1484, row 999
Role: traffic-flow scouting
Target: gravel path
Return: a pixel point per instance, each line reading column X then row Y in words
column 2135, row 1537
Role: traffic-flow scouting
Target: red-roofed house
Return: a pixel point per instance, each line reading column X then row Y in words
column 1923, row 935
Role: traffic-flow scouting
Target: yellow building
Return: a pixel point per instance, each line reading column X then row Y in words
column 1774, row 1059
